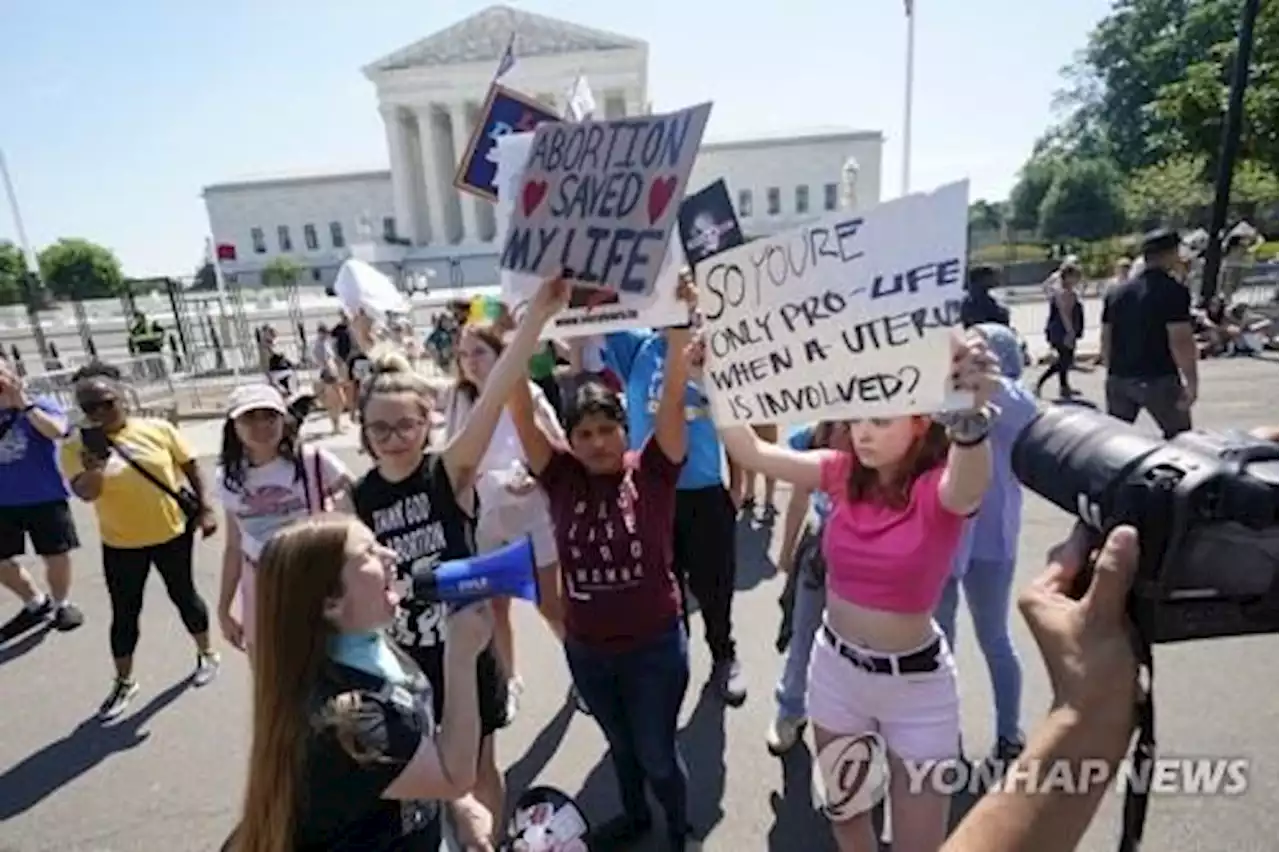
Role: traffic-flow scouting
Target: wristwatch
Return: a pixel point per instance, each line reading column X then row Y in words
column 967, row 428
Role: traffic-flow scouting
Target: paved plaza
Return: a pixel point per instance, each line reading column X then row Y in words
column 167, row 776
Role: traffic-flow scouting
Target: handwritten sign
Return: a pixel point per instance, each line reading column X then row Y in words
column 599, row 199
column 591, row 310
column 505, row 111
column 708, row 224
column 847, row 317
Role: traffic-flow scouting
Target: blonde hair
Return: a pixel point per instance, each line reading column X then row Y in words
column 393, row 374
column 300, row 571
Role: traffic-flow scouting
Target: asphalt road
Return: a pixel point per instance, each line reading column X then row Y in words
column 168, row 775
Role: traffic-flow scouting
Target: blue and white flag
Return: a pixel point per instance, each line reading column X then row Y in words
column 582, row 103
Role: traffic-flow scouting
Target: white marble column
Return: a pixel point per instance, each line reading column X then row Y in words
column 461, row 139
column 402, row 174
column 634, row 102
column 435, row 191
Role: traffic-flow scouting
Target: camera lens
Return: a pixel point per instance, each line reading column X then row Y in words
column 1073, row 455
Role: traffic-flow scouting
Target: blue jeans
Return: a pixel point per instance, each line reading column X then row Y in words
column 806, row 615
column 988, row 585
column 635, row 696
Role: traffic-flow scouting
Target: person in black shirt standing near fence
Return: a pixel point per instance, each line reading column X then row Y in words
column 1148, row 342
column 978, row 305
column 421, row 504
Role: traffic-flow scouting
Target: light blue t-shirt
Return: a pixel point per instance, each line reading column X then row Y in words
column 800, row 439
column 639, row 359
column 369, row 652
column 992, row 535
column 29, row 460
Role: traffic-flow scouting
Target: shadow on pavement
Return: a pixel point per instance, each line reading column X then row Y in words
column 796, row 822
column 702, row 745
column 520, row 775
column 30, row 642
column 91, row 742
column 753, row 536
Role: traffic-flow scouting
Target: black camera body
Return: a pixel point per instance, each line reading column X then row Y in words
column 1205, row 506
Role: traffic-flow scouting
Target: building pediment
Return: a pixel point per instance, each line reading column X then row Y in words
column 484, row 36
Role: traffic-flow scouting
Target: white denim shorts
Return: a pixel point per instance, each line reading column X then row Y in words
column 503, row 525
column 917, row 714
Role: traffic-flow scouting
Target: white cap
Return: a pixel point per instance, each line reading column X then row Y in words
column 255, row 397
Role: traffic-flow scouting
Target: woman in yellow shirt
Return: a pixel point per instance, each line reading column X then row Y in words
column 129, row 468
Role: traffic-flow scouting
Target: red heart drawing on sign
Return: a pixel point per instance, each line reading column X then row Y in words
column 660, row 192
column 531, row 197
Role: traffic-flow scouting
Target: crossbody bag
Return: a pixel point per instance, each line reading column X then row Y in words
column 186, row 498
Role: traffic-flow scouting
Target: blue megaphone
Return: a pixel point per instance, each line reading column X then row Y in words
column 507, row 572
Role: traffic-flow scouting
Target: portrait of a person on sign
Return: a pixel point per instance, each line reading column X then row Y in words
column 707, row 223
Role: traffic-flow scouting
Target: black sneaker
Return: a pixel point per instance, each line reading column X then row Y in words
column 1007, row 750
column 730, row 682
column 620, row 832
column 25, row 620
column 122, row 692
column 67, row 618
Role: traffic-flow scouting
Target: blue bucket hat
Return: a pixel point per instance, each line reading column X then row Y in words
column 1005, row 346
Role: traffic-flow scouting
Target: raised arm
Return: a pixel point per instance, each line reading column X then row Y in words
column 802, row 469
column 537, row 447
column 670, row 429
column 968, row 469
column 467, row 447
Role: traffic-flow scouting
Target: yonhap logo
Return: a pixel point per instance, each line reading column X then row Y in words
column 851, row 775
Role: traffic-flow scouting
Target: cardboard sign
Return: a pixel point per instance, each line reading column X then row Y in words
column 708, row 224
column 848, row 317
column 505, row 111
column 598, row 200
column 591, row 310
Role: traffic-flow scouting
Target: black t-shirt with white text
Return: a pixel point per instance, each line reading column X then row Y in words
column 1139, row 312
column 420, row 519
column 340, row 805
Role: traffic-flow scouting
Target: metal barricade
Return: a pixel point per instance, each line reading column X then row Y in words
column 148, row 383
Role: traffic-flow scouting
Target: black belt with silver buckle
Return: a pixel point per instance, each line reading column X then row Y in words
column 917, row 662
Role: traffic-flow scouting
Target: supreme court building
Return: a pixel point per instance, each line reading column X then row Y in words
column 409, row 217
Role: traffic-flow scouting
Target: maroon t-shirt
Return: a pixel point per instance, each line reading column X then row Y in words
column 614, row 533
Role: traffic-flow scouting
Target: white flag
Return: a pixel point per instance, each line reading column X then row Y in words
column 581, row 102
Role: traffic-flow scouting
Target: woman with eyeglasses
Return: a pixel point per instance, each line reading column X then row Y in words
column 346, row 755
column 132, row 470
column 420, row 501
column 266, row 481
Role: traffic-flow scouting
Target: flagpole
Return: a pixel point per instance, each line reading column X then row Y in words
column 910, row 86
column 33, row 262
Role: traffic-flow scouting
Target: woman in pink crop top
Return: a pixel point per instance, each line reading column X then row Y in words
column 881, row 670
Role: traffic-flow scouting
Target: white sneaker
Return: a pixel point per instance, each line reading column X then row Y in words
column 783, row 734
column 207, row 665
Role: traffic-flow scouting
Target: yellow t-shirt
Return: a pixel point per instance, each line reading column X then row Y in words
column 132, row 511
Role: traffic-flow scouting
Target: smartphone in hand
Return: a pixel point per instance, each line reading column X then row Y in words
column 95, row 441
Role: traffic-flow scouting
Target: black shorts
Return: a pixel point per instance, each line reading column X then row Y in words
column 48, row 525
column 490, row 683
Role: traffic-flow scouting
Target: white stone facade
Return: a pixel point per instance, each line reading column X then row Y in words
column 429, row 95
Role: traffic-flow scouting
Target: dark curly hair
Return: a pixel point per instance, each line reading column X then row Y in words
column 97, row 370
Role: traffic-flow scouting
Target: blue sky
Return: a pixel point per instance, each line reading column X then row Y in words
column 116, row 114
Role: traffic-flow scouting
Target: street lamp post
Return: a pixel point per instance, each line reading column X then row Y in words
column 908, row 96
column 1227, row 156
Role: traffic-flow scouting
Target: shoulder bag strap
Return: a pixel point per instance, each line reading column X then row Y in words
column 146, row 474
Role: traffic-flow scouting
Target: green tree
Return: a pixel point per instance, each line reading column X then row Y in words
column 985, row 215
column 1254, row 183
column 13, row 266
column 1172, row 192
column 79, row 269
column 281, row 272
column 1083, row 203
column 1029, row 192
column 1153, row 79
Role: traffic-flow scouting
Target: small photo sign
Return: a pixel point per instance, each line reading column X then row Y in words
column 708, row 224
column 598, row 200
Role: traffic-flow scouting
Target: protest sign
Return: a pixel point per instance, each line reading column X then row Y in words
column 591, row 310
column 848, row 317
column 505, row 111
column 598, row 199
column 708, row 224
column 361, row 288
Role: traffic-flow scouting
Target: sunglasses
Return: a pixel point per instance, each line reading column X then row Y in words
column 91, row 406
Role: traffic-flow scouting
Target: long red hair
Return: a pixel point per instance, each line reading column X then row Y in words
column 927, row 451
